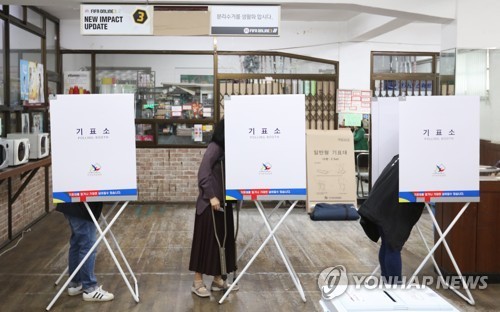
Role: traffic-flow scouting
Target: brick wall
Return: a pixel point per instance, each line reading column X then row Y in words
column 168, row 174
column 29, row 206
column 163, row 175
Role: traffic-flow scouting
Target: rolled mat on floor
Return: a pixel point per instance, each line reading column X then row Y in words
column 323, row 212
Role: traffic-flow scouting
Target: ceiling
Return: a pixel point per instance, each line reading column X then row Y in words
column 70, row 9
column 364, row 18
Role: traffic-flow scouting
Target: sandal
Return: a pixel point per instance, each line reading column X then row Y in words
column 200, row 289
column 222, row 286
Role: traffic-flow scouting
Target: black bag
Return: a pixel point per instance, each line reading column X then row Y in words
column 323, row 211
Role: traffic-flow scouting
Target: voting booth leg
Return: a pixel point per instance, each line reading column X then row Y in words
column 66, row 270
column 102, row 234
column 284, row 256
column 256, row 233
column 442, row 239
column 271, row 234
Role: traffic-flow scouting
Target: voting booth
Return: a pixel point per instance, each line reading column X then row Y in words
column 265, row 160
column 439, row 157
column 330, row 168
column 437, row 139
column 94, row 160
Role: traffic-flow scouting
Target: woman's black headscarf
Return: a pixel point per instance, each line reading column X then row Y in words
column 218, row 135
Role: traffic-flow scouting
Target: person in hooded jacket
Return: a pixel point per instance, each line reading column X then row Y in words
column 383, row 216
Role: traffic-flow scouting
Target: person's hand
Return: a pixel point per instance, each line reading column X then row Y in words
column 215, row 203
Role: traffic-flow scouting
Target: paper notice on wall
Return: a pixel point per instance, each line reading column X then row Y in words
column 197, row 133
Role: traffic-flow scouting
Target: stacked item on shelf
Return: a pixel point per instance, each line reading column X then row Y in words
column 184, row 132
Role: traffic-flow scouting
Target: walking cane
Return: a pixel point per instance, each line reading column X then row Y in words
column 222, row 247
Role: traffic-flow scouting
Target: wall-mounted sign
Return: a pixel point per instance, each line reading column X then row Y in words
column 242, row 20
column 107, row 19
column 354, row 101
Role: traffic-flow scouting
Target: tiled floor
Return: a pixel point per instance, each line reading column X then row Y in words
column 156, row 240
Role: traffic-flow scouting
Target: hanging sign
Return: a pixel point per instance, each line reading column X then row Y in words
column 107, row 19
column 242, row 20
column 265, row 147
column 93, row 151
column 439, row 149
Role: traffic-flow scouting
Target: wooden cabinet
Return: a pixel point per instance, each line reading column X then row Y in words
column 475, row 238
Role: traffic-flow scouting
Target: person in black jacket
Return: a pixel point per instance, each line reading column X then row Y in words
column 382, row 216
column 83, row 237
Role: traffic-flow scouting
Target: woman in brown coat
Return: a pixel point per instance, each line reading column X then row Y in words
column 205, row 256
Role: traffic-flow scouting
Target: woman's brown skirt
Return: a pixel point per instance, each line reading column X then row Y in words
column 205, row 256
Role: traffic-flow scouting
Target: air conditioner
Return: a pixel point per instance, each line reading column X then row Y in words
column 18, row 151
column 4, row 159
column 39, row 143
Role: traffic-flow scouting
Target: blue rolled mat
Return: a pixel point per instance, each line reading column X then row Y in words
column 323, row 212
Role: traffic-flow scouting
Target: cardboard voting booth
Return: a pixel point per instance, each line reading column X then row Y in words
column 93, row 159
column 265, row 160
column 330, row 168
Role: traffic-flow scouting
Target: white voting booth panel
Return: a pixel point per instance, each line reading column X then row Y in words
column 363, row 299
column 439, row 157
column 94, row 160
column 439, row 149
column 265, row 147
column 93, row 151
column 437, row 139
column 265, row 159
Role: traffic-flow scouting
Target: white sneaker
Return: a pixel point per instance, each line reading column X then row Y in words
column 98, row 295
column 73, row 291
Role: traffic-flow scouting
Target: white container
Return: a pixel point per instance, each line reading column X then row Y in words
column 18, row 151
column 39, row 143
column 4, row 159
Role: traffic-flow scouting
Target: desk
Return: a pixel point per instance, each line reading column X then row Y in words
column 474, row 239
column 26, row 172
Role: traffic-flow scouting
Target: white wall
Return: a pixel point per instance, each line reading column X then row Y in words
column 478, row 24
column 316, row 39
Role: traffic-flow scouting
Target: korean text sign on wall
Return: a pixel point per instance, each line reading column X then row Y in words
column 243, row 20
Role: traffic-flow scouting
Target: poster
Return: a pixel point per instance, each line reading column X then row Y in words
column 265, row 147
column 24, row 76
column 439, row 149
column 25, row 123
column 77, row 82
column 93, row 156
column 35, row 78
column 331, row 177
column 37, row 122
